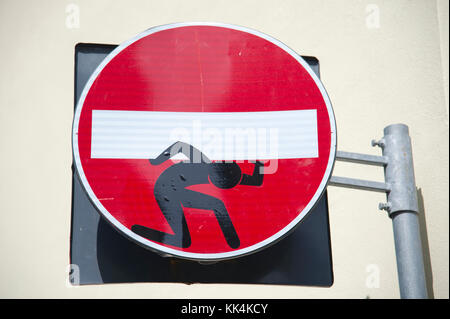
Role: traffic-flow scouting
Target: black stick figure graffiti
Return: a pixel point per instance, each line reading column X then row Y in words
column 171, row 193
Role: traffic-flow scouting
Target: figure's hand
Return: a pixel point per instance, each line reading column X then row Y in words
column 256, row 179
column 160, row 159
column 259, row 168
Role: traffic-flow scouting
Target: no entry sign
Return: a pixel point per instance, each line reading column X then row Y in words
column 204, row 141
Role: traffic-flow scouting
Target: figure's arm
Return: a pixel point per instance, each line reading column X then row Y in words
column 194, row 155
column 257, row 178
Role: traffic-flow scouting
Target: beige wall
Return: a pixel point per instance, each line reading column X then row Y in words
column 382, row 62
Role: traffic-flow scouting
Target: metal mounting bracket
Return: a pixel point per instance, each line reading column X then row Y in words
column 402, row 205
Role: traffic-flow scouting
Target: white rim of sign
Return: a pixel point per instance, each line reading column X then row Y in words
column 189, row 255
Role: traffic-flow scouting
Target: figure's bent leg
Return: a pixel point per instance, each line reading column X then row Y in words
column 198, row 200
column 173, row 212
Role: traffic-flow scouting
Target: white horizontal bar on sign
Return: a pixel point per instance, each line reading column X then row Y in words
column 219, row 135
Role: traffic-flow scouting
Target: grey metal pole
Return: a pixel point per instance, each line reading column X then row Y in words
column 403, row 209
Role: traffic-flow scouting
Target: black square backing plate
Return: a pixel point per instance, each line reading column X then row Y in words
column 100, row 254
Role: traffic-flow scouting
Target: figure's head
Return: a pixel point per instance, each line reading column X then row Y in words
column 224, row 175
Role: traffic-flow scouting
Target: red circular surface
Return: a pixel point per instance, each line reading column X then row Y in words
column 205, row 69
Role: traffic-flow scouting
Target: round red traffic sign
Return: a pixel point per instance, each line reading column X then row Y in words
column 204, row 141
